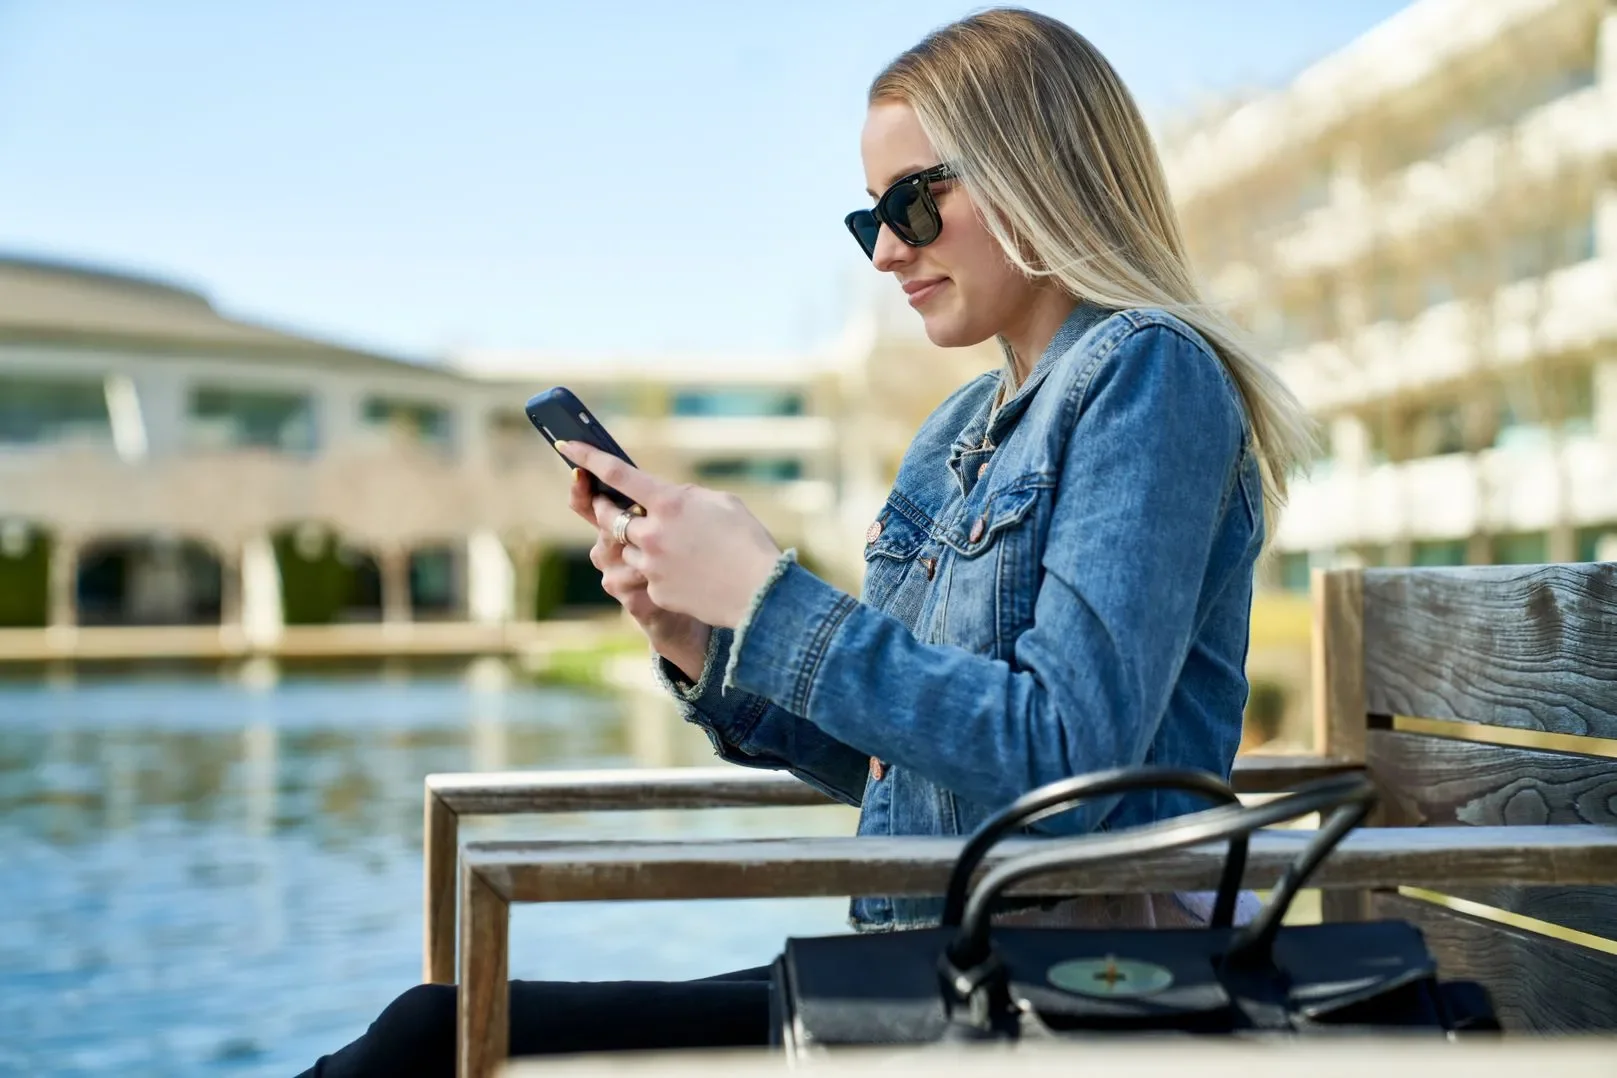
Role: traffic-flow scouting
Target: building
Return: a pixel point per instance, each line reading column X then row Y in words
column 162, row 463
column 1422, row 230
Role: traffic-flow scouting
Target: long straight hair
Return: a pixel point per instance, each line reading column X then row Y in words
column 1057, row 158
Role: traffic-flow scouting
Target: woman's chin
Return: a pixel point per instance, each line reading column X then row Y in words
column 946, row 330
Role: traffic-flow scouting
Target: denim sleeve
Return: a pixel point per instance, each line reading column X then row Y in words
column 1146, row 470
column 747, row 729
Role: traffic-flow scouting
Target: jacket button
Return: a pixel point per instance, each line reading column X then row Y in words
column 876, row 769
column 930, row 565
column 873, row 532
column 977, row 527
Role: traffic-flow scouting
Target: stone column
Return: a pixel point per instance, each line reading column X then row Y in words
column 62, row 613
column 263, row 615
column 490, row 579
column 393, row 564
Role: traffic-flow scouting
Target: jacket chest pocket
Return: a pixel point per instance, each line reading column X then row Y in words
column 993, row 572
column 895, row 581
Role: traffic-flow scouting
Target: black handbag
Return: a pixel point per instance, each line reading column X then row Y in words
column 969, row 981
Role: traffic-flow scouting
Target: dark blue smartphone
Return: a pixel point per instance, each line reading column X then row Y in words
column 561, row 417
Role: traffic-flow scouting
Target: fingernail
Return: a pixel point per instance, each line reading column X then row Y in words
column 578, row 473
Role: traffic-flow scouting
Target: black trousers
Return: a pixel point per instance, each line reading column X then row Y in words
column 415, row 1034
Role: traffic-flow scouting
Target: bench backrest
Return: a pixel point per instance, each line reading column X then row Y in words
column 1485, row 696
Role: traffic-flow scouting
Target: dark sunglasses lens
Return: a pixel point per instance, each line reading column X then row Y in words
column 865, row 227
column 911, row 215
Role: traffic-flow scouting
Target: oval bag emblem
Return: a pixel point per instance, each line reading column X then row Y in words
column 1109, row 978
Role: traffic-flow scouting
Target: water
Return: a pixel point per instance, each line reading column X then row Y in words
column 199, row 877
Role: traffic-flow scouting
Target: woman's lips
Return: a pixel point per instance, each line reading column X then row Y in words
column 922, row 291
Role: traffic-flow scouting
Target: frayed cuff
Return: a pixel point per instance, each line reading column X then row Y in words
column 787, row 559
column 673, row 679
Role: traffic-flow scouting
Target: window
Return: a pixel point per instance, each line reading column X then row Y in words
column 243, row 418
column 1545, row 401
column 1524, row 548
column 1294, row 575
column 738, row 401
column 734, row 469
column 1436, row 552
column 1598, row 543
column 1437, row 429
column 417, row 421
column 35, row 411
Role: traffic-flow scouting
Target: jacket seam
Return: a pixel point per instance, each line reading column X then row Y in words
column 819, row 644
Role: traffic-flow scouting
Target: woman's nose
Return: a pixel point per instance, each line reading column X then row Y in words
column 891, row 252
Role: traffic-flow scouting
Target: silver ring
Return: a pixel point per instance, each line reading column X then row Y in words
column 620, row 528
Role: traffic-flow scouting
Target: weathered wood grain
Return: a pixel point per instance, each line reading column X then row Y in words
column 1539, row 984
column 482, row 1014
column 1435, row 780
column 441, row 848
column 1584, row 909
column 632, row 789
column 1338, row 663
column 627, row 789
column 1427, row 857
column 1527, row 647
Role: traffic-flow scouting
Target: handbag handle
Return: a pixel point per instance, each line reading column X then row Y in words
column 1059, row 796
column 1347, row 797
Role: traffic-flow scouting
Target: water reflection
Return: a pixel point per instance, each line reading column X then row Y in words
column 205, row 873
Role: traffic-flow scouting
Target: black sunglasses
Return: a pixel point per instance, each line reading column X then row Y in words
column 907, row 208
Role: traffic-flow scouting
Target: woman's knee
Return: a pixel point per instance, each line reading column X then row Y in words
column 418, row 1025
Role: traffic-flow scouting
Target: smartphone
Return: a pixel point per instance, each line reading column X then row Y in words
column 561, row 417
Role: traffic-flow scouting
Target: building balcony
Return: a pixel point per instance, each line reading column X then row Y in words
column 1466, row 180
column 1564, row 311
column 1519, row 489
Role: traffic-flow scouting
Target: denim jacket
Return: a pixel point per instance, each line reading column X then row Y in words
column 1055, row 587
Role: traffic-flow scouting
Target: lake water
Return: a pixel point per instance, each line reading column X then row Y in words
column 204, row 877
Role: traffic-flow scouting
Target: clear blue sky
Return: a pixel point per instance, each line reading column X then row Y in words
column 590, row 177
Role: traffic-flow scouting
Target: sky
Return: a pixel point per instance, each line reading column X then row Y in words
column 587, row 178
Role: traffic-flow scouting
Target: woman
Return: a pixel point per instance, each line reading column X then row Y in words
column 1061, row 579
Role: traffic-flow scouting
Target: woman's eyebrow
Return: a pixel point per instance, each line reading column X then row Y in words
column 907, row 170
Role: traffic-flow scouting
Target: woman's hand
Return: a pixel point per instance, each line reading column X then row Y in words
column 679, row 638
column 700, row 552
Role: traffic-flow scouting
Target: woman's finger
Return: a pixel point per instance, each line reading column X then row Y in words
column 615, row 472
column 578, row 496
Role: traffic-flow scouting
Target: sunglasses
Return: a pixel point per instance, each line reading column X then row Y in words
column 907, row 208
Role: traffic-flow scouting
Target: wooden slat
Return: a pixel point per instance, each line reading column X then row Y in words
column 1592, row 910
column 1338, row 663
column 1126, row 1057
column 628, row 789
column 1271, row 774
column 482, row 1008
column 1539, row 984
column 1435, row 780
column 1527, row 647
column 1370, row 857
column 440, row 841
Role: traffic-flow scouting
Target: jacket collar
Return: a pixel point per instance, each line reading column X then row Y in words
column 989, row 424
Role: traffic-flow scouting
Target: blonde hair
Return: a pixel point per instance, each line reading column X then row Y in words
column 1054, row 152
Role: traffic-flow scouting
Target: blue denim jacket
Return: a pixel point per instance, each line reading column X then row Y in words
column 1056, row 587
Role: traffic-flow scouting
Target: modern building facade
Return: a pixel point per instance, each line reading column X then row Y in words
column 1422, row 229
column 162, row 463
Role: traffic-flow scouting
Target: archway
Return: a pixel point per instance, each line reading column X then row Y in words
column 149, row 580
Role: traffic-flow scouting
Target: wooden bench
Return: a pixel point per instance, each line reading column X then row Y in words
column 1483, row 698
column 1531, row 648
